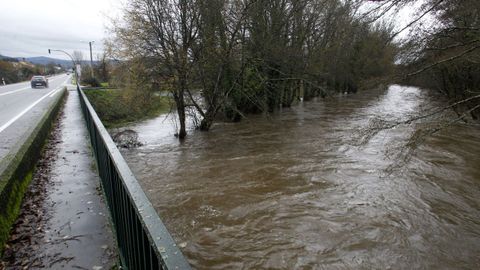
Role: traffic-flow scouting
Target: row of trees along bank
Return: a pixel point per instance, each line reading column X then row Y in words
column 247, row 56
column 443, row 52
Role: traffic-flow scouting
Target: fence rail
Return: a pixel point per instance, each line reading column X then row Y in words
column 143, row 239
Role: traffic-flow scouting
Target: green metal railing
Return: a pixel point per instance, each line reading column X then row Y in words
column 143, row 240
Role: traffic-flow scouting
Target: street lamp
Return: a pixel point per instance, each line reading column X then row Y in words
column 73, row 61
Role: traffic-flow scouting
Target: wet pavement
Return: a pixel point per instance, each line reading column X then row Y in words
column 74, row 232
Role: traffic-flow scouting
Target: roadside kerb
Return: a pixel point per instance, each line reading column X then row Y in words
column 142, row 238
column 17, row 166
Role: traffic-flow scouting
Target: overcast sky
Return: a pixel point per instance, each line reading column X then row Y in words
column 31, row 27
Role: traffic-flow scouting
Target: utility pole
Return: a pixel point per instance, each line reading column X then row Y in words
column 91, row 57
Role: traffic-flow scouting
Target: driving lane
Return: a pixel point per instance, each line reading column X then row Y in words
column 17, row 99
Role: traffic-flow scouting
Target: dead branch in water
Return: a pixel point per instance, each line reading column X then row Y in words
column 377, row 125
column 402, row 153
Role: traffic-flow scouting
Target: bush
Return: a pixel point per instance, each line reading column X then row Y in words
column 91, row 81
column 117, row 107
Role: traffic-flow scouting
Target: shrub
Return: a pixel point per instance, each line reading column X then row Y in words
column 91, row 81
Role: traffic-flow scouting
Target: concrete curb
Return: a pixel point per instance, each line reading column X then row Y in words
column 16, row 168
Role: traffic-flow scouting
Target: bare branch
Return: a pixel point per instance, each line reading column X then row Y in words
column 415, row 20
column 443, row 61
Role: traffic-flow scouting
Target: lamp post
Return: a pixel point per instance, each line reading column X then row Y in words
column 73, row 61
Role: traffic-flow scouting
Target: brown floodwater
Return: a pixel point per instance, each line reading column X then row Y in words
column 293, row 190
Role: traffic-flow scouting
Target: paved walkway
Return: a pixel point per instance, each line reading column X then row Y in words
column 77, row 234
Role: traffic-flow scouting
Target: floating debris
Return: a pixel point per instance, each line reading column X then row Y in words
column 126, row 139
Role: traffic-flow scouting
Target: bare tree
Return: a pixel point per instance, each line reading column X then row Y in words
column 242, row 56
column 78, row 56
column 164, row 30
column 445, row 56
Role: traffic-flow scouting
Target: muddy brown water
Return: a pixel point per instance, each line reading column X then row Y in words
column 291, row 191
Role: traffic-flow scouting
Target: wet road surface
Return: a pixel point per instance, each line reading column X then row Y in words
column 16, row 98
column 291, row 190
column 21, row 109
column 74, row 230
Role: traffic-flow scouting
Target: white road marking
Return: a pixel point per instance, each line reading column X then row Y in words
column 29, row 87
column 60, row 87
column 56, row 91
column 11, row 84
column 14, row 91
column 6, row 125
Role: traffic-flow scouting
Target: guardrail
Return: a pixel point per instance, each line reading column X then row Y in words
column 143, row 239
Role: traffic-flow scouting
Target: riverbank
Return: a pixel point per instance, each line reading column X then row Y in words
column 117, row 107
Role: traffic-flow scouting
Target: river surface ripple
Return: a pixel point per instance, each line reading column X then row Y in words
column 291, row 190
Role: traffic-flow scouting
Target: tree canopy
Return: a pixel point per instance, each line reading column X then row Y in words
column 226, row 58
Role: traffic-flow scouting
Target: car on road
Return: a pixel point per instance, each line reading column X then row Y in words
column 39, row 81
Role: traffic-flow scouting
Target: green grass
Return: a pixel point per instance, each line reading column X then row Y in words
column 119, row 107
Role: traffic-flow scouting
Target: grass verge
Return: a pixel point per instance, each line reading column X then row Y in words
column 119, row 107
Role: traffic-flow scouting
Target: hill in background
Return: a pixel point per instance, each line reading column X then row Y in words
column 39, row 60
column 42, row 60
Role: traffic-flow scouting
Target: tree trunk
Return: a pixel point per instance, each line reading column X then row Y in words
column 182, row 133
column 207, row 121
column 180, row 103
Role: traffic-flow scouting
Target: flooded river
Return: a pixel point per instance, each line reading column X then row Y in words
column 291, row 190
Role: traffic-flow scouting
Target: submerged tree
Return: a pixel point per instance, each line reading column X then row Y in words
column 163, row 31
column 232, row 57
column 442, row 51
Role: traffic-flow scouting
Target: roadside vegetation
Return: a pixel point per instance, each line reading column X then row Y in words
column 120, row 96
column 13, row 70
column 118, row 107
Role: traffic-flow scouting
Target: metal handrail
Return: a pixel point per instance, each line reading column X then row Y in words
column 143, row 239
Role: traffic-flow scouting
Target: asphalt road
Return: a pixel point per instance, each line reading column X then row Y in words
column 21, row 109
column 17, row 100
